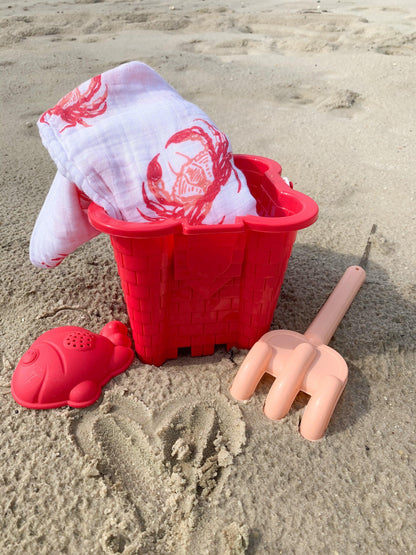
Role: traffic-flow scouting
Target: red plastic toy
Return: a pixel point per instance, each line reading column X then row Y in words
column 69, row 366
column 203, row 285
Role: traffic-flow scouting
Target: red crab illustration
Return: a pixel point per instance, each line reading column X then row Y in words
column 198, row 180
column 77, row 105
column 56, row 261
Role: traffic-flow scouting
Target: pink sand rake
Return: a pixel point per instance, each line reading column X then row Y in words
column 303, row 363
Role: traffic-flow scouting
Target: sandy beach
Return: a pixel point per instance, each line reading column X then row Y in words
column 166, row 461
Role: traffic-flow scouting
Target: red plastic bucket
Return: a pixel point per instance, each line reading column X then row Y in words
column 205, row 285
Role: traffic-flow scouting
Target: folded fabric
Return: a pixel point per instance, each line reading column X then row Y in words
column 129, row 142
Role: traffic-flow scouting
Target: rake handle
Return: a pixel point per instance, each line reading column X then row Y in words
column 328, row 318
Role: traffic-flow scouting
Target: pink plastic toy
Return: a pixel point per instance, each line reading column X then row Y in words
column 69, row 366
column 199, row 286
column 303, row 363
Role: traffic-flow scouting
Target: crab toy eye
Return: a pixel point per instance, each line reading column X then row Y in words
column 154, row 170
column 30, row 356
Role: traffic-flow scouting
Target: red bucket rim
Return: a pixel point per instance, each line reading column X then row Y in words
column 304, row 217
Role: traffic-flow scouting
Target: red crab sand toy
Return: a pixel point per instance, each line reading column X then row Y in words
column 303, row 363
column 69, row 366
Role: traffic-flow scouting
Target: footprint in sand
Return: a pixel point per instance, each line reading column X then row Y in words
column 341, row 101
column 167, row 463
column 240, row 46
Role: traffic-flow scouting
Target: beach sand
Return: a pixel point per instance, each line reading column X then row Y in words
column 166, row 461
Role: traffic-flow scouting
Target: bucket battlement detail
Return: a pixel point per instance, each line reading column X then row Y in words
column 204, row 285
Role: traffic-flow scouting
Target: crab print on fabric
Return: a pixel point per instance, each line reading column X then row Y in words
column 197, row 179
column 75, row 107
column 55, row 261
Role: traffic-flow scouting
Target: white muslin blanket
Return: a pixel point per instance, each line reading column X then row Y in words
column 129, row 142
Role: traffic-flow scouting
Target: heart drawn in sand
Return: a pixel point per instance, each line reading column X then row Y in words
column 167, row 464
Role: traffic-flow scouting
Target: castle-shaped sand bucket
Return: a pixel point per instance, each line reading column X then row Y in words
column 206, row 285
